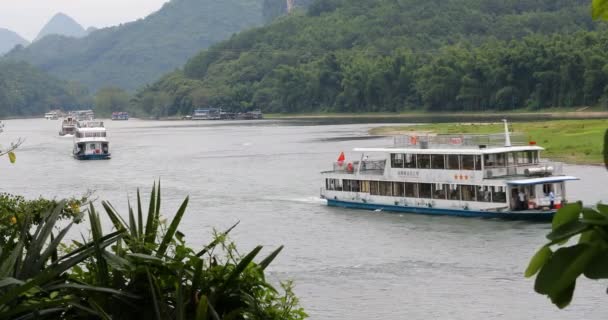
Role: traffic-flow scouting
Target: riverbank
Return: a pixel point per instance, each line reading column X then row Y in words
column 517, row 115
column 571, row 141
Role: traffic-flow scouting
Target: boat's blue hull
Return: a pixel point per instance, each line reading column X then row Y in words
column 92, row 156
column 507, row 215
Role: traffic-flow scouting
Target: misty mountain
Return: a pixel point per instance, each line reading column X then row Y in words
column 62, row 25
column 9, row 39
column 136, row 53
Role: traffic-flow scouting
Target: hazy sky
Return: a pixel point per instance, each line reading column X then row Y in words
column 27, row 17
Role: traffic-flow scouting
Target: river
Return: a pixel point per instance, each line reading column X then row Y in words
column 346, row 264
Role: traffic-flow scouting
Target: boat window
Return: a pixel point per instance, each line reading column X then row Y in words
column 365, row 186
column 535, row 156
column 438, row 161
column 510, row 159
column 410, row 161
column 477, row 162
column 484, row 194
column 345, row 185
column 425, row 190
column 92, row 146
column 499, row 194
column 331, row 184
column 468, row 162
column 411, row 190
column 354, row 185
column 424, row 161
column 373, row 188
column 547, row 187
column 454, row 193
column 386, row 188
column 439, row 191
column 398, row 189
column 468, row 192
column 494, row 160
column 396, row 160
column 453, row 162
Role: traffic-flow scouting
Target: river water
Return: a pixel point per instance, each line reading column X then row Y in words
column 346, row 264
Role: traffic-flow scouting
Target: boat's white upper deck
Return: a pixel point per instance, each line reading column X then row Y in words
column 466, row 151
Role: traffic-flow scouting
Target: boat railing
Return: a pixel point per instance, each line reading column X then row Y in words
column 429, row 140
column 372, row 167
column 543, row 168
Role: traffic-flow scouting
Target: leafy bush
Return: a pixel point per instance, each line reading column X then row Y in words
column 558, row 270
column 17, row 213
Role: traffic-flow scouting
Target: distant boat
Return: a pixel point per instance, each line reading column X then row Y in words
column 90, row 141
column 207, row 114
column 82, row 115
column 120, row 116
column 51, row 115
column 454, row 175
column 68, row 126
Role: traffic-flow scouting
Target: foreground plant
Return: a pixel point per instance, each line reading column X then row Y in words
column 173, row 281
column 34, row 282
column 559, row 266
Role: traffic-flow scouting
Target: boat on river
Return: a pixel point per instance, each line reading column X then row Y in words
column 90, row 141
column 68, row 127
column 120, row 116
column 52, row 115
column 486, row 176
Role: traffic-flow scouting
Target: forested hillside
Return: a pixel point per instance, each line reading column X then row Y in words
column 139, row 52
column 396, row 55
column 26, row 91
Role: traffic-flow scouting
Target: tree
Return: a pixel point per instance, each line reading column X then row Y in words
column 108, row 100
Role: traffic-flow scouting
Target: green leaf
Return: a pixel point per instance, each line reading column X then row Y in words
column 567, row 213
column 602, row 208
column 10, row 282
column 145, row 257
column 153, row 291
column 562, row 269
column 598, row 267
column 241, row 266
column 152, row 220
column 264, row 264
column 172, row 229
column 599, row 10
column 565, row 231
column 591, row 214
column 564, row 297
column 201, row 309
column 216, row 241
column 12, row 157
column 539, row 259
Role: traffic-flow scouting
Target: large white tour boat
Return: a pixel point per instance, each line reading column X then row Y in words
column 90, row 141
column 458, row 175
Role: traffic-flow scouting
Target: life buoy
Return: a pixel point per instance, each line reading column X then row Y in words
column 349, row 167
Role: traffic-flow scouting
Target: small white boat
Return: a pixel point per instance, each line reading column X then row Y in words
column 458, row 175
column 68, row 127
column 53, row 115
column 90, row 141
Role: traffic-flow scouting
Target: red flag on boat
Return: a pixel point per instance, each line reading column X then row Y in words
column 341, row 158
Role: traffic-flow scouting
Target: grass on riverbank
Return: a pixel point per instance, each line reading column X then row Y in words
column 572, row 141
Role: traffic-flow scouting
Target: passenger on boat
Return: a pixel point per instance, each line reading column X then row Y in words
column 521, row 197
column 551, row 199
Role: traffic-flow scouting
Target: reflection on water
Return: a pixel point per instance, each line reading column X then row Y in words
column 347, row 264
